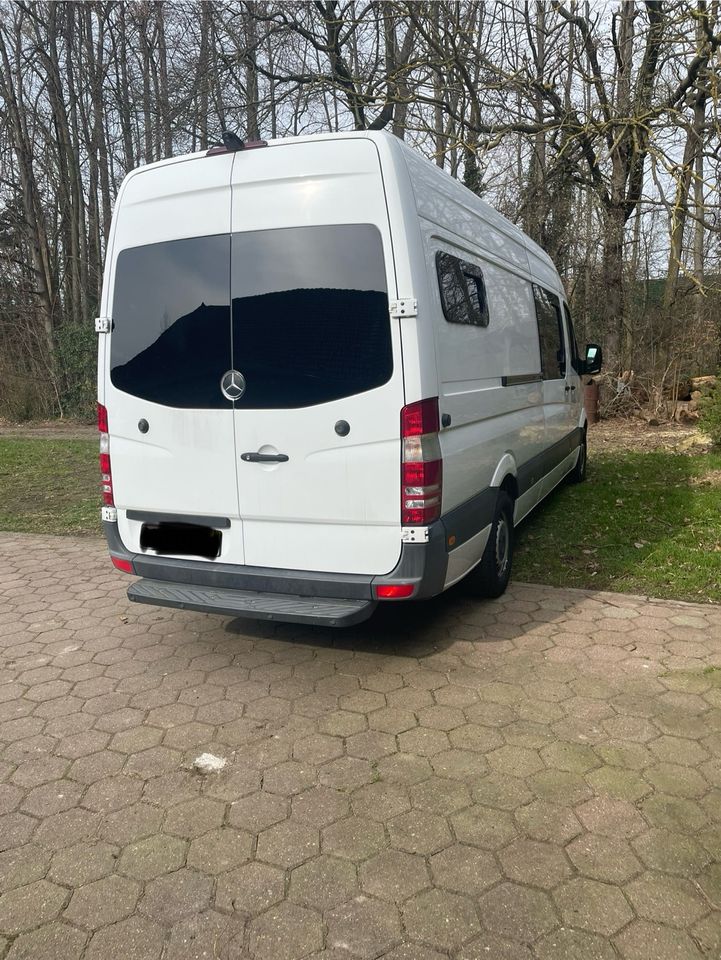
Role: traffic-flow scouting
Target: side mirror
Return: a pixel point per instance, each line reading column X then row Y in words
column 594, row 359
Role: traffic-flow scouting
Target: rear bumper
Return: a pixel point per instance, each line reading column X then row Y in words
column 422, row 564
column 252, row 604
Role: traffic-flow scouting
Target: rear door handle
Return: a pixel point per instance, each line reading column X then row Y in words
column 264, row 457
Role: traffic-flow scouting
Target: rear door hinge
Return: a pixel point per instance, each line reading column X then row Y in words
column 407, row 307
column 102, row 324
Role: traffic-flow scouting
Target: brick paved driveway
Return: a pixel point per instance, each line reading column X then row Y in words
column 535, row 777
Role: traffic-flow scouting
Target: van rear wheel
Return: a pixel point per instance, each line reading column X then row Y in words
column 490, row 577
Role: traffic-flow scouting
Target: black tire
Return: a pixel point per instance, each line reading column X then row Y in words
column 490, row 578
column 578, row 474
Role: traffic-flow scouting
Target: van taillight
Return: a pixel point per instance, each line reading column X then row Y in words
column 106, row 477
column 421, row 466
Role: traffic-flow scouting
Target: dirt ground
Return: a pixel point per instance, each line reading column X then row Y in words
column 637, row 435
column 49, row 429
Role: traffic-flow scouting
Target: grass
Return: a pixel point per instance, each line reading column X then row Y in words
column 646, row 523
column 49, row 486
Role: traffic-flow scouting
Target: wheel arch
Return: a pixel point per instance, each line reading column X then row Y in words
column 505, row 476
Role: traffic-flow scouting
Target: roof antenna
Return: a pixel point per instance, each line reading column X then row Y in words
column 231, row 141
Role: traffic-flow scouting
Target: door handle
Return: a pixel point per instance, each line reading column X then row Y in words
column 264, row 457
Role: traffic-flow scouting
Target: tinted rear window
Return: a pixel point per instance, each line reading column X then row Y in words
column 309, row 324
column 171, row 321
column 310, row 314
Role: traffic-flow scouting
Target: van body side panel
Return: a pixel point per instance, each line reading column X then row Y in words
column 488, row 418
column 171, row 308
column 334, row 503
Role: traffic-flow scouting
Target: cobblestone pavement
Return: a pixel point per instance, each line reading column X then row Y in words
column 536, row 777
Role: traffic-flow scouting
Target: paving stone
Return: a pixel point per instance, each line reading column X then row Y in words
column 665, row 899
column 380, row 801
column 572, row 757
column 103, row 902
column 52, row 941
column 220, row 850
column 405, row 768
column 354, row 838
column 26, row 907
column 440, row 795
column 365, row 928
column 611, row 818
column 560, row 786
column 346, row 773
column 323, row 883
column 538, row 864
column 548, row 821
column 288, row 844
column 113, row 793
column 707, row 934
column 131, row 823
column 285, row 932
column 488, row 945
column 464, row 869
column 565, row 944
column 394, row 875
column 258, row 811
column 603, row 858
column 517, row 912
column 83, row 863
column 170, row 898
column 62, row 829
column 194, row 817
column 673, row 813
column 152, row 857
column 651, row 941
column 404, row 951
column 136, row 938
column 250, row 889
column 501, row 791
column 593, row 906
column 20, row 866
column 289, row 778
column 208, row 935
column 419, row 832
column 671, row 852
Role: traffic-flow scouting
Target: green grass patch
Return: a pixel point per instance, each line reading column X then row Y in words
column 49, row 486
column 647, row 523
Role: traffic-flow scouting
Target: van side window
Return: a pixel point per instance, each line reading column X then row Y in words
column 571, row 338
column 463, row 292
column 550, row 334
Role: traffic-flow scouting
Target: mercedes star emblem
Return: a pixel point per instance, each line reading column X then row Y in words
column 233, row 385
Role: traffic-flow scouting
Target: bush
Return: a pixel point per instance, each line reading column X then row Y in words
column 710, row 419
column 76, row 358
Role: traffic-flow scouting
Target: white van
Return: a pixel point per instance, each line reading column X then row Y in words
column 329, row 375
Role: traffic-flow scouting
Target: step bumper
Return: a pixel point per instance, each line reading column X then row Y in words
column 252, row 604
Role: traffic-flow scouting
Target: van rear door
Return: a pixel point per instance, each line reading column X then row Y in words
column 171, row 427
column 317, row 426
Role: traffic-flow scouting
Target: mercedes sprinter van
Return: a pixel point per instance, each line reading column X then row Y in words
column 328, row 375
